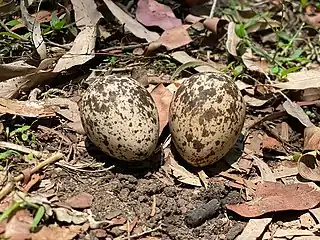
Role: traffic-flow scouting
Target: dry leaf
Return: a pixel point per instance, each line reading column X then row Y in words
column 215, row 25
column 193, row 19
column 70, row 215
column 54, row 232
column 266, row 172
column 81, row 51
column 183, row 58
column 288, row 233
column 80, row 201
column 309, row 166
column 301, row 80
column 274, row 197
column 232, row 39
column 296, row 111
column 311, row 138
column 26, row 108
column 172, row 39
column 33, row 26
column 307, row 221
column 152, row 13
column 254, row 63
column 15, row 69
column 178, row 171
column 18, row 227
column 255, row 102
column 86, row 13
column 254, row 229
column 162, row 97
column 131, row 24
column 12, row 88
column 272, row 144
column 99, row 233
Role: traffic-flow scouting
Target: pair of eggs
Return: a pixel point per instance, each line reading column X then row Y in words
column 206, row 117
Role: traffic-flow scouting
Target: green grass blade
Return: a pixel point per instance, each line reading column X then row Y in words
column 39, row 215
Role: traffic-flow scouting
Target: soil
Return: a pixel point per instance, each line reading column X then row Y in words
column 120, row 194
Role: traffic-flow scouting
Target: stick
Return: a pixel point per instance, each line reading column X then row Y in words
column 20, row 148
column 140, row 234
column 8, row 188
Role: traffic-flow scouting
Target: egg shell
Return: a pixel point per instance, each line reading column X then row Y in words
column 206, row 117
column 120, row 117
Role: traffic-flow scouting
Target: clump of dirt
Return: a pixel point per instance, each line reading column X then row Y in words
column 117, row 194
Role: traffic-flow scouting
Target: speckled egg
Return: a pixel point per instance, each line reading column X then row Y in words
column 120, row 117
column 206, row 117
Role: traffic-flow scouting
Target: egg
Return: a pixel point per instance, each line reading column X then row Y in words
column 206, row 117
column 120, row 117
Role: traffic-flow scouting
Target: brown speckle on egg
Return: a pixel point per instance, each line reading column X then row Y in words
column 206, row 117
column 120, row 117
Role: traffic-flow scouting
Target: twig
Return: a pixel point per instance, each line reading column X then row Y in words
column 128, row 47
column 20, row 148
column 83, row 170
column 66, row 46
column 8, row 188
column 140, row 234
column 213, row 8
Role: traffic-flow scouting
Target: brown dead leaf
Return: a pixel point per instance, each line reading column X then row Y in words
column 18, row 227
column 172, row 39
column 152, row 13
column 131, row 24
column 54, row 232
column 309, row 166
column 35, row 178
column 11, row 88
column 274, row 197
column 15, row 69
column 172, row 167
column 311, row 138
column 272, row 144
column 26, row 108
column 162, row 97
column 118, row 221
column 312, row 16
column 80, row 201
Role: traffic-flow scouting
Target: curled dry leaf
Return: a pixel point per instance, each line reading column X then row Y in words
column 162, row 97
column 274, row 197
column 152, row 13
column 309, row 166
column 232, row 39
column 192, row 19
column 311, row 138
column 254, row 229
column 215, row 25
column 296, row 111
